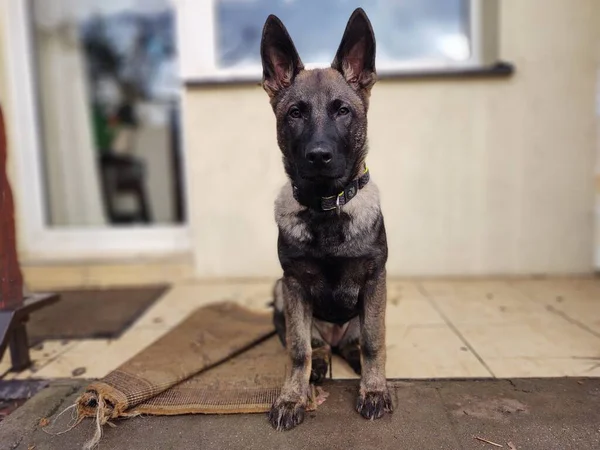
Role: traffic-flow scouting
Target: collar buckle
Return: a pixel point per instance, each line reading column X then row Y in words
column 348, row 193
column 335, row 206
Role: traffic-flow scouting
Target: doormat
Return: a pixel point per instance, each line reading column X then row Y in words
column 91, row 313
column 223, row 359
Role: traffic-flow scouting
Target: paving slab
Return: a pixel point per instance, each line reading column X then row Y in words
column 540, row 414
column 530, row 414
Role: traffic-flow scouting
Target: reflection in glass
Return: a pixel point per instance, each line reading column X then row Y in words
column 109, row 99
column 406, row 30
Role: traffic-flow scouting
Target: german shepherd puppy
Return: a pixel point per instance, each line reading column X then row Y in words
column 332, row 242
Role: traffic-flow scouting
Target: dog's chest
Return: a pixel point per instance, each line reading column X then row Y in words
column 332, row 268
column 331, row 255
column 350, row 233
column 334, row 237
column 334, row 288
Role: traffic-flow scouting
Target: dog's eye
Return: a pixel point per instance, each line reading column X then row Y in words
column 295, row 113
column 343, row 111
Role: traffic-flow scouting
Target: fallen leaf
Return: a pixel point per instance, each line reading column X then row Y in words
column 78, row 371
column 44, row 422
column 488, row 442
column 322, row 395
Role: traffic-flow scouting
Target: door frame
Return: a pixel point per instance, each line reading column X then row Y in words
column 38, row 241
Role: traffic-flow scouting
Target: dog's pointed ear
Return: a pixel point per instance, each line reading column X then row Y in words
column 355, row 57
column 280, row 60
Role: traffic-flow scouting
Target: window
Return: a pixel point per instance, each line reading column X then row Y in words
column 110, row 136
column 412, row 35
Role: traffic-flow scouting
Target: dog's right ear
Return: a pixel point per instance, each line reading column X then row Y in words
column 280, row 60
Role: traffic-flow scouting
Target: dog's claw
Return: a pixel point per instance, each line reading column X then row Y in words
column 372, row 405
column 286, row 415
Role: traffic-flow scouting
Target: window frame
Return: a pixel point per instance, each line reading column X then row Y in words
column 198, row 58
column 39, row 241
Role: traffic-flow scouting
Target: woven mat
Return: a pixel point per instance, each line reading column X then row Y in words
column 223, row 359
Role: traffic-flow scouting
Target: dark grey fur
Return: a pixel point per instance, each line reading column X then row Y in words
column 332, row 295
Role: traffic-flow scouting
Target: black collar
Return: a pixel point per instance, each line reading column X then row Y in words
column 337, row 201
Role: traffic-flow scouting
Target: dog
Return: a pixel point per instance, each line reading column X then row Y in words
column 332, row 243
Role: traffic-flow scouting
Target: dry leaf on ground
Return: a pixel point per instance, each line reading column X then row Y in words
column 44, row 422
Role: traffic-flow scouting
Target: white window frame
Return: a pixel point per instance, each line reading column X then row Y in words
column 39, row 241
column 197, row 23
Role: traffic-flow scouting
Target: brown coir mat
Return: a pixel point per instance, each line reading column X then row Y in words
column 223, row 359
column 91, row 313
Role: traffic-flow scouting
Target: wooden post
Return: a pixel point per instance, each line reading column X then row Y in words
column 11, row 280
column 14, row 309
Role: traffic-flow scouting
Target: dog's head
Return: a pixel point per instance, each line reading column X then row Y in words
column 321, row 113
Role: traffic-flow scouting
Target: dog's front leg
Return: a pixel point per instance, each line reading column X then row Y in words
column 374, row 398
column 288, row 409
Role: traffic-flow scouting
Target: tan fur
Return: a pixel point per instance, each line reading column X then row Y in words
column 308, row 83
column 373, row 336
column 286, row 215
column 364, row 210
column 298, row 318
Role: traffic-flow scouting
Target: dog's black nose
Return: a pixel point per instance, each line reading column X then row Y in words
column 319, row 156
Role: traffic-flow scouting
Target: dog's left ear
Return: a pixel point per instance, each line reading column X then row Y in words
column 355, row 57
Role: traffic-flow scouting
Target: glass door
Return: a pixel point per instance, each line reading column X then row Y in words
column 103, row 172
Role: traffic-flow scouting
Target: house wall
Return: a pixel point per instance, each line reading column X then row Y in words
column 597, row 217
column 477, row 176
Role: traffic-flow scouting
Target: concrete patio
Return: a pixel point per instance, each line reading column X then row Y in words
column 533, row 414
column 475, row 364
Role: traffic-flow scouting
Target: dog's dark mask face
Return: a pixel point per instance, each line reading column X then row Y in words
column 321, row 113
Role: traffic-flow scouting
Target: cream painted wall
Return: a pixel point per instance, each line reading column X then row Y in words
column 597, row 221
column 3, row 87
column 477, row 176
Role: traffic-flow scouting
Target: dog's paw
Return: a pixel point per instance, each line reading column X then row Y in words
column 319, row 370
column 285, row 415
column 373, row 404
